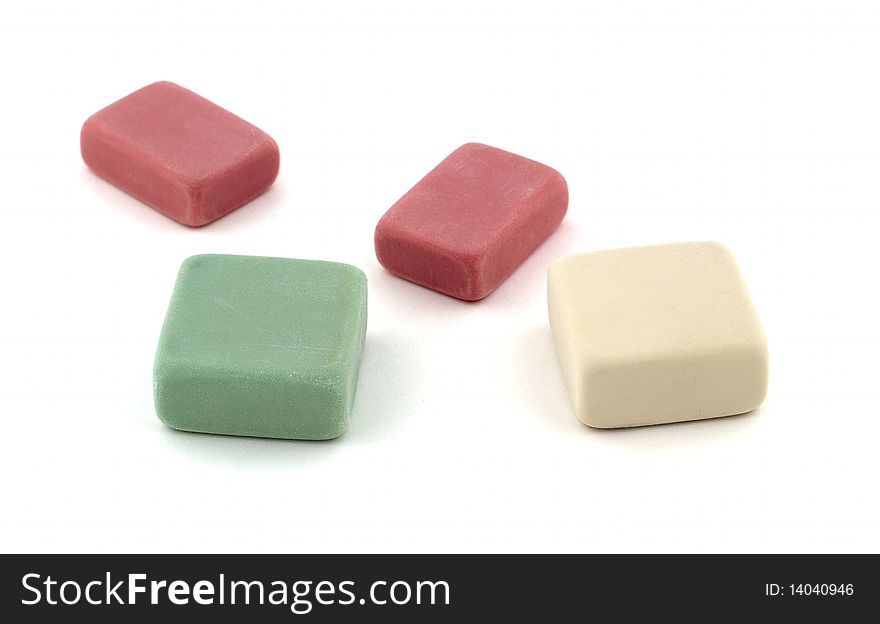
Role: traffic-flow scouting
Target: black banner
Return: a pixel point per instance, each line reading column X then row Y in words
column 433, row 588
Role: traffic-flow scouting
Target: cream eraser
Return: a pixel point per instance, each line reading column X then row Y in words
column 657, row 334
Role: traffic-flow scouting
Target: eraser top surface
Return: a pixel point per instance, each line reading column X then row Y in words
column 467, row 201
column 656, row 300
column 294, row 317
column 188, row 134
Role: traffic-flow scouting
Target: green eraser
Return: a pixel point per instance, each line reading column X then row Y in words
column 258, row 346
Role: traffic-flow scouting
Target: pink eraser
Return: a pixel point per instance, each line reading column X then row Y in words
column 179, row 153
column 468, row 224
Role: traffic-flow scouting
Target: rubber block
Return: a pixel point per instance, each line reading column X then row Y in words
column 179, row 153
column 657, row 334
column 468, row 224
column 258, row 346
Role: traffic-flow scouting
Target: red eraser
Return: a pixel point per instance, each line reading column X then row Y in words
column 179, row 153
column 468, row 224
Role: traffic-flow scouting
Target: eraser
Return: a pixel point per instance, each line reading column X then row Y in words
column 266, row 347
column 468, row 224
column 179, row 153
column 657, row 334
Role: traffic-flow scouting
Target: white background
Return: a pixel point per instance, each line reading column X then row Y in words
column 753, row 123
